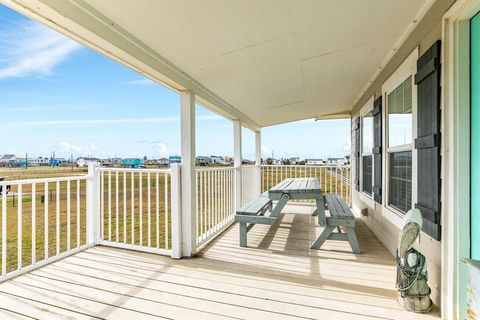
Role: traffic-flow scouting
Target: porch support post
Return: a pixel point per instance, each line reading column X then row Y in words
column 258, row 148
column 258, row 161
column 237, row 161
column 93, row 204
column 188, row 180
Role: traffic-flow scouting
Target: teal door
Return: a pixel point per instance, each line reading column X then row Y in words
column 475, row 137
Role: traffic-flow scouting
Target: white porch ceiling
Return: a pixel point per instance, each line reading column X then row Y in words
column 274, row 61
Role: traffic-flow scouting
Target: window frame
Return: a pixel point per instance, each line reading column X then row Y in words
column 407, row 69
column 365, row 197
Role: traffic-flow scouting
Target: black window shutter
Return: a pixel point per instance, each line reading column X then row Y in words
column 377, row 150
column 427, row 144
column 356, row 137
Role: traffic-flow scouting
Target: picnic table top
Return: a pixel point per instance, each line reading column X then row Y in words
column 296, row 185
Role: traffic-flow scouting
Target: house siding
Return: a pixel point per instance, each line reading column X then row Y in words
column 428, row 30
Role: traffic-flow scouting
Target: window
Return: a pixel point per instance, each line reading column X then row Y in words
column 400, row 131
column 367, row 158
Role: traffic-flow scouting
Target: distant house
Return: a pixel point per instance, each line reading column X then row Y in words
column 217, row 160
column 315, row 162
column 228, row 160
column 83, row 162
column 37, row 162
column 248, row 162
column 19, row 162
column 175, row 159
column 131, row 162
column 55, row 162
column 295, row 160
column 337, row 161
column 163, row 162
column 7, row 159
column 203, row 161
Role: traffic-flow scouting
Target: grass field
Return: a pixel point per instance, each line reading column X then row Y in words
column 116, row 227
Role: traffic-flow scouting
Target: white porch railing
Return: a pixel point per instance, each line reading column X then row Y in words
column 42, row 220
column 215, row 201
column 333, row 179
column 135, row 209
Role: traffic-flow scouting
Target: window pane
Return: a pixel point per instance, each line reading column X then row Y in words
column 400, row 180
column 367, row 133
column 367, row 175
column 400, row 114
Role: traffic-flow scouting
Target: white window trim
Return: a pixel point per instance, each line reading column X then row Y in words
column 408, row 68
column 365, row 197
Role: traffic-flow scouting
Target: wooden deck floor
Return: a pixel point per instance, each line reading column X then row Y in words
column 277, row 277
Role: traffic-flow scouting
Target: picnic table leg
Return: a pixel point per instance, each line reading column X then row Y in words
column 322, row 237
column 352, row 239
column 243, row 234
column 280, row 205
column 320, row 211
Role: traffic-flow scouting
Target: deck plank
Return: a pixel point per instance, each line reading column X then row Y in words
column 276, row 277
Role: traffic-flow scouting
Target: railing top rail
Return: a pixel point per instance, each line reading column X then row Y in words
column 214, row 169
column 307, row 165
column 133, row 170
column 43, row 180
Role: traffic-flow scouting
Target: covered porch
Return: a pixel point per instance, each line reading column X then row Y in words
column 276, row 277
column 161, row 243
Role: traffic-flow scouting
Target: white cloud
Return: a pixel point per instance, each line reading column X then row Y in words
column 141, row 82
column 88, row 149
column 31, row 49
column 40, row 123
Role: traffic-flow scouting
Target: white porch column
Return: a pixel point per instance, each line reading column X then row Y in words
column 93, row 204
column 237, row 161
column 188, row 217
column 258, row 147
column 258, row 161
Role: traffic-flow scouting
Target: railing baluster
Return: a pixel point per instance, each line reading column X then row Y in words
column 34, row 223
column 68, row 216
column 166, row 212
column 125, row 207
column 46, row 221
column 78, row 213
column 102, row 205
column 140, row 205
column 116, row 207
column 57, row 218
column 19, row 227
column 149, row 228
column 109, row 206
column 133, row 207
column 4, row 230
column 157, row 210
column 202, row 205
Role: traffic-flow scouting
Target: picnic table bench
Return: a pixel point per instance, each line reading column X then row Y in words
column 300, row 188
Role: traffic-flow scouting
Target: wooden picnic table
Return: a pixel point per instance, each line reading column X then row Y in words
column 295, row 189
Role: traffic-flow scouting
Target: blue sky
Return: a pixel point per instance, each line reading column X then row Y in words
column 56, row 95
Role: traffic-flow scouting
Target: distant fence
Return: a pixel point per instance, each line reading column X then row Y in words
column 333, row 179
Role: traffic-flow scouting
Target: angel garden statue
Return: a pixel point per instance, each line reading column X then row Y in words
column 413, row 289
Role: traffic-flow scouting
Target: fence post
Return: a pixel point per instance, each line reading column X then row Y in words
column 93, row 205
column 176, row 193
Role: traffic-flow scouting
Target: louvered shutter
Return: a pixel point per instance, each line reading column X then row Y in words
column 427, row 144
column 377, row 150
column 356, row 139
